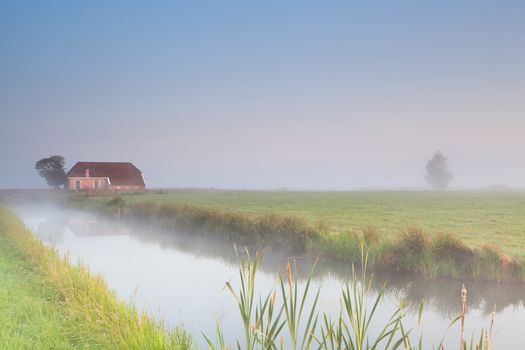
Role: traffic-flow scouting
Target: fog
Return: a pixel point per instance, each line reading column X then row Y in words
column 326, row 154
column 303, row 96
column 149, row 266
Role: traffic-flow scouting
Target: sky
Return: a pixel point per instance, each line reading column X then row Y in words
column 265, row 94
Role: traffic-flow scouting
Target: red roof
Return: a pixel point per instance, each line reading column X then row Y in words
column 119, row 173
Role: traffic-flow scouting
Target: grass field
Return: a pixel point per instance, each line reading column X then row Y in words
column 478, row 218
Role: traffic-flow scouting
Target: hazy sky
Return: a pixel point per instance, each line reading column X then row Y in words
column 265, row 94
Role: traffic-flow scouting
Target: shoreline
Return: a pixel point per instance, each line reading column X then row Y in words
column 411, row 251
column 91, row 314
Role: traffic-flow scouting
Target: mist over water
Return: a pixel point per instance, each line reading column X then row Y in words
column 180, row 278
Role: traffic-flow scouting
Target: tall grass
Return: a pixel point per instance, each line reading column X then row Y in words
column 412, row 250
column 94, row 311
column 352, row 329
column 291, row 321
column 277, row 231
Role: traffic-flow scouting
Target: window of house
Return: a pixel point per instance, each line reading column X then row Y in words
column 77, row 184
column 96, row 185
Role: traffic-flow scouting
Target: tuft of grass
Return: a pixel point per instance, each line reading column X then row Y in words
column 451, row 256
column 94, row 314
column 451, row 247
column 415, row 242
column 414, row 250
column 370, row 235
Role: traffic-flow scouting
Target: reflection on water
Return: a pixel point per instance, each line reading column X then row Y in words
column 83, row 227
column 180, row 278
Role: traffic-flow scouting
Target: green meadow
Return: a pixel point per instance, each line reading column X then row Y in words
column 478, row 218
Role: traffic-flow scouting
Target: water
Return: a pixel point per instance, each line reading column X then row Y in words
column 180, row 279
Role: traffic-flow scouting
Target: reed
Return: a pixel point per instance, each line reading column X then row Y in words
column 352, row 329
column 266, row 326
column 299, row 322
column 294, row 307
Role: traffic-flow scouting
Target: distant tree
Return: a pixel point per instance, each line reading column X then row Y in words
column 438, row 175
column 52, row 169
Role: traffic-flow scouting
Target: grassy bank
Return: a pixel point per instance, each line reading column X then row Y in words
column 29, row 319
column 45, row 302
column 410, row 250
column 478, row 218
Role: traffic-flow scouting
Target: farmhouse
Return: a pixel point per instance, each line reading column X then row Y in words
column 105, row 176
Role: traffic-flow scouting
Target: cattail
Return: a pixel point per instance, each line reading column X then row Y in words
column 493, row 319
column 463, row 311
column 463, row 295
column 487, row 340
